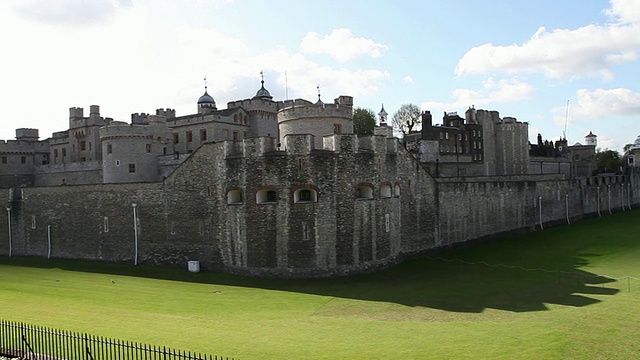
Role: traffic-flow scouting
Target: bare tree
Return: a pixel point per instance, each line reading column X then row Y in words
column 407, row 119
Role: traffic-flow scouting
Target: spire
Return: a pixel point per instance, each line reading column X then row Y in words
column 383, row 115
column 262, row 92
column 206, row 100
column 319, row 101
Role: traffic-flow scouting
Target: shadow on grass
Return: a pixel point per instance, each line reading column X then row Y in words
column 433, row 283
column 455, row 280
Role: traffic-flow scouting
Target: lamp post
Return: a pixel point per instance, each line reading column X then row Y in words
column 135, row 233
column 10, row 232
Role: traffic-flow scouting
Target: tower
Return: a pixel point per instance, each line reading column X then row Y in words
column 591, row 139
column 383, row 116
column 206, row 103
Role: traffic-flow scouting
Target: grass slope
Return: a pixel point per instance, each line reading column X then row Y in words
column 449, row 306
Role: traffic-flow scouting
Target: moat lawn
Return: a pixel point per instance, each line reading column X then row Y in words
column 447, row 307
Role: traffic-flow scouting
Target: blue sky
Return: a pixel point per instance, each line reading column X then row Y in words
column 525, row 59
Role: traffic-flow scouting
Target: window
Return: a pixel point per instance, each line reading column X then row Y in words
column 305, row 195
column 64, row 152
column 266, row 196
column 441, row 136
column 479, row 145
column 396, row 190
column 364, row 191
column 4, row 159
column 300, row 163
column 176, row 138
column 189, row 136
column 23, row 159
column 132, row 168
column 117, row 162
column 55, row 153
column 305, row 232
column 385, row 191
column 83, row 145
column 337, row 128
column 203, row 134
column 234, row 197
column 105, row 224
column 387, row 223
column 148, row 147
column 83, row 159
column 446, row 135
column 245, row 119
column 630, row 160
column 109, row 148
column 235, row 136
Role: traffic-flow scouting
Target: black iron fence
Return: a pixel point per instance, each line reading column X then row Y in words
column 28, row 342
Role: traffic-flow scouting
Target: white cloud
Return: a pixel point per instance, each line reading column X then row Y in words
column 69, row 12
column 588, row 50
column 407, row 80
column 606, row 102
column 493, row 91
column 624, row 11
column 341, row 45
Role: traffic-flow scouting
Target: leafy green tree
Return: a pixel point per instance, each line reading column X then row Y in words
column 407, row 119
column 364, row 120
column 608, row 161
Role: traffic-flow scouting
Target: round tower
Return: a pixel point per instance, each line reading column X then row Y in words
column 320, row 119
column 130, row 151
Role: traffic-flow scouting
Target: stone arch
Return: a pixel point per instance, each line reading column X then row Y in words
column 364, row 191
column 234, row 197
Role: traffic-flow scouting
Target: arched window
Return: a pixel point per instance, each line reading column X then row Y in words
column 234, row 197
column 305, row 195
column 266, row 196
column 364, row 191
column 385, row 191
column 396, row 190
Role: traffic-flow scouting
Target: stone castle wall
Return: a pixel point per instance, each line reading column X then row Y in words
column 189, row 216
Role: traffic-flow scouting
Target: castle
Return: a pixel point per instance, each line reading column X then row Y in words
column 283, row 188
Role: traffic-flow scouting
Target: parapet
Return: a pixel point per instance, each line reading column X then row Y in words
column 24, row 134
column 76, row 112
column 139, row 118
column 166, row 113
column 303, row 109
column 255, row 104
column 118, row 129
column 258, row 146
column 299, row 144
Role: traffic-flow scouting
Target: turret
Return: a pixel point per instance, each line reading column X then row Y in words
column 591, row 139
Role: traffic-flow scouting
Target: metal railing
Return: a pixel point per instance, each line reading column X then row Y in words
column 30, row 342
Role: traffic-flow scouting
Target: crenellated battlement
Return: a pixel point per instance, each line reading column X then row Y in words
column 76, row 112
column 119, row 129
column 139, row 118
column 302, row 109
column 22, row 147
column 255, row 104
column 304, row 144
column 166, row 113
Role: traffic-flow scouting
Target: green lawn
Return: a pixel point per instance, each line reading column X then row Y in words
column 448, row 306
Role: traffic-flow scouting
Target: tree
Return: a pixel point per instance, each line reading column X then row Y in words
column 608, row 161
column 364, row 120
column 406, row 119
